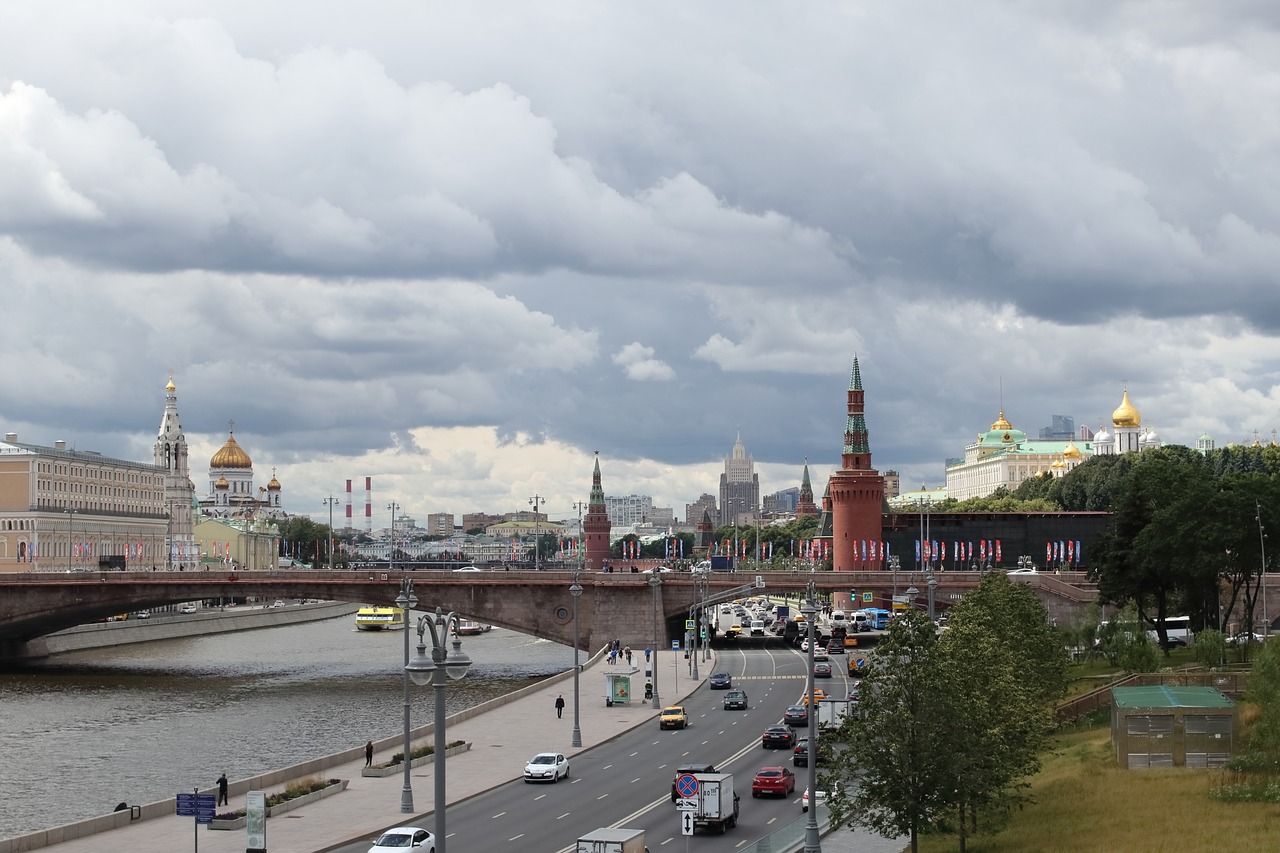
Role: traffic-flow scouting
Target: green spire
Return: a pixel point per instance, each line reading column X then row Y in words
column 855, row 379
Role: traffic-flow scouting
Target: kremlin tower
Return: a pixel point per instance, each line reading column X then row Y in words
column 805, row 506
column 595, row 526
column 856, row 492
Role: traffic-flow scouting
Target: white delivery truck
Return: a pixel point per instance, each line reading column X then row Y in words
column 613, row 840
column 715, row 804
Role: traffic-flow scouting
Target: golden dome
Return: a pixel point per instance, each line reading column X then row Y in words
column 1058, row 463
column 274, row 485
column 171, row 387
column 1071, row 451
column 222, row 483
column 1001, row 423
column 230, row 456
column 1126, row 415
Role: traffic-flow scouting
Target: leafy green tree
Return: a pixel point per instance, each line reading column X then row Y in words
column 1263, row 692
column 1209, row 647
column 896, row 744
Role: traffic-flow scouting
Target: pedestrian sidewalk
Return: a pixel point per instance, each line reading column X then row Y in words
column 502, row 739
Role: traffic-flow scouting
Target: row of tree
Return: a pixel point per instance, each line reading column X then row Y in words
column 950, row 724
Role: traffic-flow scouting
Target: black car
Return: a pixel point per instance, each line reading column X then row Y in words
column 778, row 737
column 836, row 647
column 735, row 700
column 822, row 670
column 796, row 715
column 719, row 681
column 800, row 754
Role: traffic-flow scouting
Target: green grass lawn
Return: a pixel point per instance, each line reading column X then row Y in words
column 1084, row 801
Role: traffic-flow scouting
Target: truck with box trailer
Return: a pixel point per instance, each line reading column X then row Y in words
column 715, row 805
column 612, row 840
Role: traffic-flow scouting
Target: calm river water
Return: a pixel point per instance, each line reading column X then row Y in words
column 84, row 731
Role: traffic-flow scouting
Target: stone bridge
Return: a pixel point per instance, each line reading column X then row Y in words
column 612, row 606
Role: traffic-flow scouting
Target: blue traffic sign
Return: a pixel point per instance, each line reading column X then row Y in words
column 687, row 785
column 198, row 806
column 860, row 663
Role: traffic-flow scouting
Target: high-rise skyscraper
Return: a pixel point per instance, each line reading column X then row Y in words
column 739, row 486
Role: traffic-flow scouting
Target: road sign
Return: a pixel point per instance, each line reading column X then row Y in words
column 690, row 624
column 686, row 823
column 196, row 805
column 687, row 805
column 687, row 785
column 868, row 597
column 675, row 645
column 860, row 663
column 759, row 585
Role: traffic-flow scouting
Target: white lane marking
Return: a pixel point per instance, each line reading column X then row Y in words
column 563, row 816
column 496, row 816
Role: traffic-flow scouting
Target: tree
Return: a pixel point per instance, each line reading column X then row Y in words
column 1264, row 693
column 896, row 742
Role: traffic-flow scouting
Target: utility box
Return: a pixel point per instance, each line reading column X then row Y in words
column 1172, row 727
column 612, row 840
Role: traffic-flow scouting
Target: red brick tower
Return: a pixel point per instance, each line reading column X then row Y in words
column 806, row 506
column 595, row 526
column 705, row 533
column 857, row 493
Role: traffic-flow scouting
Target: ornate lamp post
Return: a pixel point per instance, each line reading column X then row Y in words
column 812, row 840
column 438, row 670
column 331, row 500
column 391, row 554
column 575, row 591
column 406, row 601
column 535, row 502
column 894, row 564
column 1262, row 544
column 654, row 583
column 71, row 514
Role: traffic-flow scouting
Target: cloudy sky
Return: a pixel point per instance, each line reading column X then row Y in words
column 459, row 247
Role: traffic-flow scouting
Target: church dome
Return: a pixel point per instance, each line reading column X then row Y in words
column 171, row 387
column 230, row 456
column 222, row 483
column 274, row 485
column 1071, row 451
column 1126, row 415
column 1058, row 463
column 1002, row 434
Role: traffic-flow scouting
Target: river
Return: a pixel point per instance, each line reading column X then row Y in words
column 83, row 731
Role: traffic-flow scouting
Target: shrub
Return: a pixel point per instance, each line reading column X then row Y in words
column 421, row 752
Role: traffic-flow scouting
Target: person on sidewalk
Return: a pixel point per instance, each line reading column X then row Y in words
column 222, row 790
column 368, row 754
column 560, row 706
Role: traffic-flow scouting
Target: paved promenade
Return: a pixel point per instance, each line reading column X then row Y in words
column 502, row 739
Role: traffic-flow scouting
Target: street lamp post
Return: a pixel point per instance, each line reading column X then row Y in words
column 1262, row 544
column 812, row 840
column 654, row 583
column 391, row 553
column 406, row 601
column 894, row 564
column 71, row 514
column 536, row 501
column 576, row 592
column 331, row 500
column 438, row 670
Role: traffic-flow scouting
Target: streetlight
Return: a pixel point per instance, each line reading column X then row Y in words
column 71, row 514
column 654, row 583
column 438, row 670
column 1262, row 544
column 391, row 554
column 406, row 601
column 331, row 500
column 895, row 562
column 812, row 841
column 575, row 591
column 536, row 501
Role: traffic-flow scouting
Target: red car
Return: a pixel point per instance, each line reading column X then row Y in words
column 773, row 780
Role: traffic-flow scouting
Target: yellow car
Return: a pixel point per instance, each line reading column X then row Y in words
column 673, row 717
column 817, row 696
column 732, row 632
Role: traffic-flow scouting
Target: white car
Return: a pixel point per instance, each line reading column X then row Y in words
column 405, row 838
column 546, row 767
column 469, row 569
column 187, row 608
column 1022, row 572
column 821, row 797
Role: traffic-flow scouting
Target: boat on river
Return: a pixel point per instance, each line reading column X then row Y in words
column 371, row 618
column 469, row 628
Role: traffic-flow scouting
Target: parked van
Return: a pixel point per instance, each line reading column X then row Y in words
column 837, row 616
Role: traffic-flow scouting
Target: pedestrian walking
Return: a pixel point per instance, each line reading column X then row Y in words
column 222, row 790
column 560, row 706
column 368, row 754
column 628, row 653
column 647, row 652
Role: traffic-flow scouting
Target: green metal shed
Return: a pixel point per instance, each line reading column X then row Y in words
column 1172, row 726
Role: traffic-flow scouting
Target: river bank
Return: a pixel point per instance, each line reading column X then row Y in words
column 170, row 626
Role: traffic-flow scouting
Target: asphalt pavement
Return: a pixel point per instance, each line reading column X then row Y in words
column 502, row 740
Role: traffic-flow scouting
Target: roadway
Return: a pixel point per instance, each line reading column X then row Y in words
column 627, row 780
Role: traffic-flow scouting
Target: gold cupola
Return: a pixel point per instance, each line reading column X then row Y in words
column 231, row 455
column 1126, row 415
column 1071, row 451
